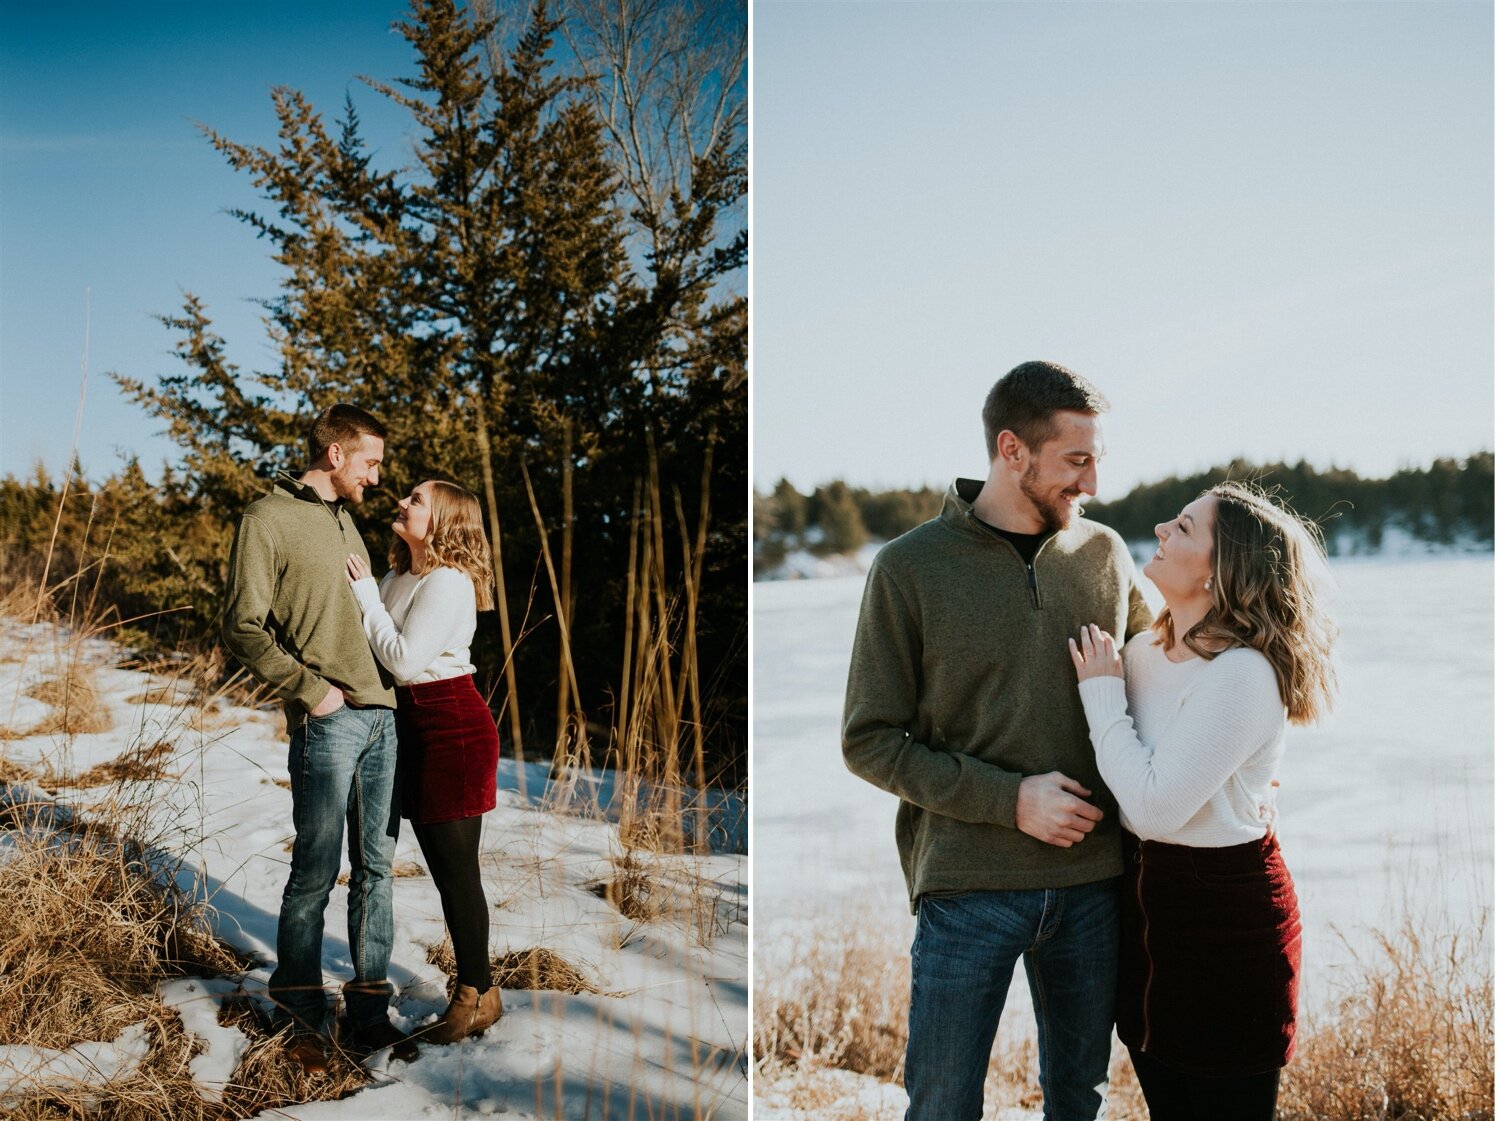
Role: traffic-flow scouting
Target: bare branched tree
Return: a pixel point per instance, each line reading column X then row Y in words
column 668, row 78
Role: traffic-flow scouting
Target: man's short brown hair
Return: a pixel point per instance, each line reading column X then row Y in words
column 1024, row 400
column 342, row 425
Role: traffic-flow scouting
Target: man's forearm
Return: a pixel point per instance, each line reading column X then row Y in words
column 249, row 596
column 270, row 664
column 945, row 782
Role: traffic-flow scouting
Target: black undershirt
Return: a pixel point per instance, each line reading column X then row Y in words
column 1026, row 543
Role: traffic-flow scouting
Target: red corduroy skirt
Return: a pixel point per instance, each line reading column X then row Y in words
column 447, row 751
column 1210, row 948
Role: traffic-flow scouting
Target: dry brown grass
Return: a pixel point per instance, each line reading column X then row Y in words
column 647, row 890
column 19, row 598
column 166, row 694
column 1411, row 1039
column 400, row 870
column 838, row 1002
column 90, row 930
column 141, row 763
column 267, row 1078
column 94, row 926
column 633, row 891
column 535, row 967
column 12, row 772
column 74, row 698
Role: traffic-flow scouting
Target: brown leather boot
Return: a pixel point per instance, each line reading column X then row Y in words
column 309, row 1052
column 468, row 1013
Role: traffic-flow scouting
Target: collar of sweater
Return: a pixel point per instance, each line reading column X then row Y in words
column 958, row 514
column 293, row 487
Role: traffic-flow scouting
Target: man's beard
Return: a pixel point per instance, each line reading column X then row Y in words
column 347, row 488
column 1055, row 513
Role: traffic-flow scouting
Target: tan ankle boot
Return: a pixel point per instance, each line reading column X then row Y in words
column 468, row 1013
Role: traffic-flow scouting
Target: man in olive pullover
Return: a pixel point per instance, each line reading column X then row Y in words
column 292, row 620
column 963, row 702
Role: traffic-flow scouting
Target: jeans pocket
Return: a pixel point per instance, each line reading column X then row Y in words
column 311, row 719
column 950, row 893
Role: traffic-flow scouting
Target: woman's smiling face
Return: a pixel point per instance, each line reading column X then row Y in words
column 1183, row 563
column 413, row 522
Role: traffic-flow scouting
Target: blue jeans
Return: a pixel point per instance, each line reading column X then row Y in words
column 962, row 959
column 342, row 769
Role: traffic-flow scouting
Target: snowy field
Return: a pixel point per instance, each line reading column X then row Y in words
column 665, row 1037
column 1387, row 808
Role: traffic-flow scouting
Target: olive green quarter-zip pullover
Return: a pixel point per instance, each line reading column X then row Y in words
column 289, row 614
column 960, row 685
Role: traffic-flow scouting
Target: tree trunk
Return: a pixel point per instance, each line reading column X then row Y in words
column 512, row 698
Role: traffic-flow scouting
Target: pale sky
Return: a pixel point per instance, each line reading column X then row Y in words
column 107, row 186
column 1261, row 229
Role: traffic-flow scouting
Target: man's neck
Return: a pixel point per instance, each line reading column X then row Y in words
column 1005, row 507
column 321, row 481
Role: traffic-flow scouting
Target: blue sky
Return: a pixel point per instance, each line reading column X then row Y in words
column 107, row 185
column 1262, row 229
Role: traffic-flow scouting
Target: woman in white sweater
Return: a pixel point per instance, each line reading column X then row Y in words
column 420, row 622
column 1188, row 729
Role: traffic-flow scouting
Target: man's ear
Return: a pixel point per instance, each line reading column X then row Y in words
column 335, row 454
column 1011, row 450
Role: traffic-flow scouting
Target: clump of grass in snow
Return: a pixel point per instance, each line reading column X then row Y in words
column 94, row 925
column 142, row 763
column 836, row 1002
column 400, row 869
column 12, row 772
column 1411, row 1037
column 644, row 892
column 74, row 698
column 633, row 892
column 533, row 968
column 90, row 930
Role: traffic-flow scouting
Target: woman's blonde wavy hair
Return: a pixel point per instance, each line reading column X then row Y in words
column 1268, row 563
column 455, row 539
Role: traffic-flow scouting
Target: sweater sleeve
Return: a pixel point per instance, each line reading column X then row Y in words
column 246, row 627
column 1138, row 616
column 1224, row 719
column 434, row 624
column 880, row 704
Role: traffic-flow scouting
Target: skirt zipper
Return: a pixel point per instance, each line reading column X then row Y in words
column 1140, row 898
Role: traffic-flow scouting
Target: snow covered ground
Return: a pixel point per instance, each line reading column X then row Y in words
column 664, row 1036
column 1386, row 808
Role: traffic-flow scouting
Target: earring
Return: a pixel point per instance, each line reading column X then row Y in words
column 1208, row 585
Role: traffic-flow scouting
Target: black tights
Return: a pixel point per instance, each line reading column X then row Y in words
column 1174, row 1096
column 452, row 852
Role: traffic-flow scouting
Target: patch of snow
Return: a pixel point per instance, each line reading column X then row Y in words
column 89, row 1064
column 196, row 1001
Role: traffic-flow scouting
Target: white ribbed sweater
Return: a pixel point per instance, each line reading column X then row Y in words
column 1192, row 759
column 420, row 627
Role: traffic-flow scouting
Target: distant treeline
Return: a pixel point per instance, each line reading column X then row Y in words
column 1450, row 501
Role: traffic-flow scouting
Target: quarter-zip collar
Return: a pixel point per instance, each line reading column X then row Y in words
column 294, row 487
column 958, row 512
